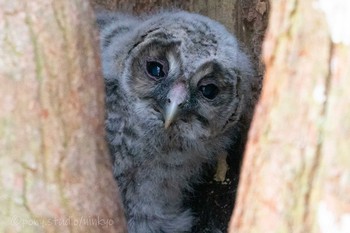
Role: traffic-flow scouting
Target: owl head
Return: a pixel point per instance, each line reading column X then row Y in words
column 184, row 75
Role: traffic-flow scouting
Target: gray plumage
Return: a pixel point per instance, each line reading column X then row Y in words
column 177, row 85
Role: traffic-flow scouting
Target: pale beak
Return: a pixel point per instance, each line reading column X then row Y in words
column 177, row 95
column 170, row 114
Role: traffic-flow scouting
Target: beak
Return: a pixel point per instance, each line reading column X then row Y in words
column 176, row 97
column 171, row 111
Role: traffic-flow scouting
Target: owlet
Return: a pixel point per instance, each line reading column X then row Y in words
column 177, row 85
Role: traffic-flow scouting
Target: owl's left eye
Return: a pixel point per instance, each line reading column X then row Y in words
column 156, row 69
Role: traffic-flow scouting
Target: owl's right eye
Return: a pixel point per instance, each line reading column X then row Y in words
column 209, row 91
column 156, row 69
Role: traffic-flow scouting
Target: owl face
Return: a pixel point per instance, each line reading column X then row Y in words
column 186, row 79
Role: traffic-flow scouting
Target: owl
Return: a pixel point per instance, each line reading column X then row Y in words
column 177, row 86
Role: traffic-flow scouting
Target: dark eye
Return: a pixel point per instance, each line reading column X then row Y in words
column 209, row 91
column 155, row 69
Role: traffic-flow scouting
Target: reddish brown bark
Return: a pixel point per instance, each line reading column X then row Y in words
column 54, row 165
column 296, row 168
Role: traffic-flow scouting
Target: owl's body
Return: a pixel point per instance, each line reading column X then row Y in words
column 176, row 86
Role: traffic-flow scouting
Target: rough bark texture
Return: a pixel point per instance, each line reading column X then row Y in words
column 54, row 166
column 213, row 201
column 296, row 168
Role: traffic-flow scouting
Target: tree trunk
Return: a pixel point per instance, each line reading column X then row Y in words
column 296, row 175
column 54, row 166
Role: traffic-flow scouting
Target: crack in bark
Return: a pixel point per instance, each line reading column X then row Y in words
column 318, row 154
column 39, row 76
column 283, row 35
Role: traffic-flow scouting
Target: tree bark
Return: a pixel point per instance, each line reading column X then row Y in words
column 54, row 166
column 296, row 168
